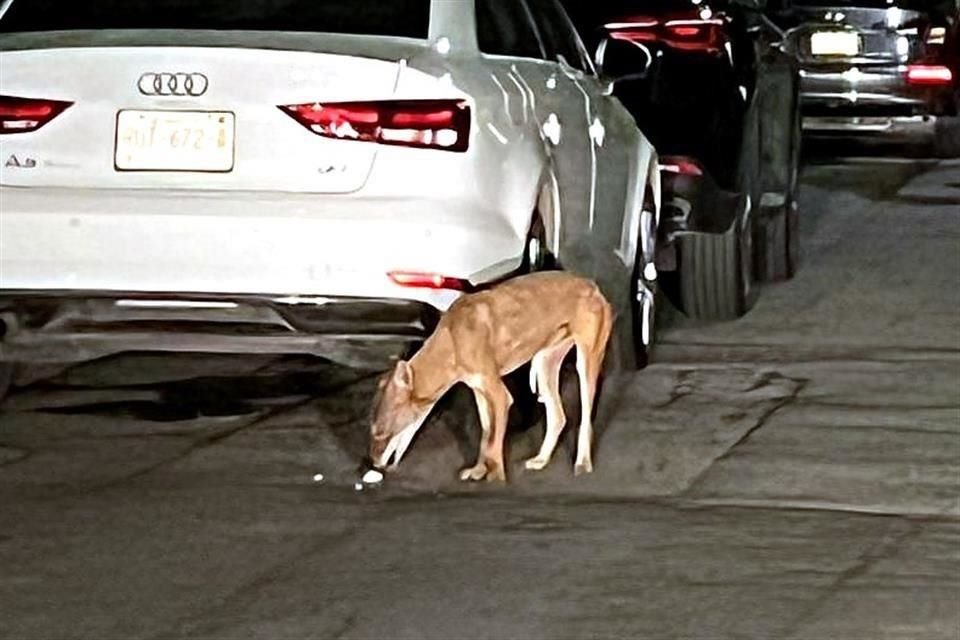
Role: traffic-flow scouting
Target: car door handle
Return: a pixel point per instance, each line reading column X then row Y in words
column 598, row 132
column 552, row 130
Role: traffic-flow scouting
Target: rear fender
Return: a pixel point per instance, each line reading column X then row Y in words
column 644, row 175
column 696, row 204
column 548, row 208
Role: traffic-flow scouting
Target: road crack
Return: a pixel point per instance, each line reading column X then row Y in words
column 799, row 385
column 882, row 550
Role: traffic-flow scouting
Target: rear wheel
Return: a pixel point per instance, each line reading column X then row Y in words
column 644, row 289
column 716, row 271
column 778, row 238
column 536, row 256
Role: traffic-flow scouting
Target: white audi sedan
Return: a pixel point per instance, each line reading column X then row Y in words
column 302, row 176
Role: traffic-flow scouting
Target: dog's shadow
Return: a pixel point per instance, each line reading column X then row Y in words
column 457, row 412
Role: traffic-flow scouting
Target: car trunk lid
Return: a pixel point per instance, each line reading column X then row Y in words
column 146, row 114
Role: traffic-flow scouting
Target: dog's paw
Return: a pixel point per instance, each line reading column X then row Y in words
column 497, row 475
column 582, row 467
column 475, row 473
column 536, row 464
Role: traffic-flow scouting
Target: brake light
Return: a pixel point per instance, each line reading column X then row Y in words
column 704, row 35
column 427, row 280
column 685, row 32
column 20, row 115
column 433, row 124
column 680, row 166
column 929, row 75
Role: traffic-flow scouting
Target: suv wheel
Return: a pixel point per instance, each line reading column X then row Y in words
column 778, row 236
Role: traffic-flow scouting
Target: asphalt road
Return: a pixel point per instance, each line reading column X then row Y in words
column 792, row 475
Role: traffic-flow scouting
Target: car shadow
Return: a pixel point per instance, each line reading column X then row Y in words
column 284, row 383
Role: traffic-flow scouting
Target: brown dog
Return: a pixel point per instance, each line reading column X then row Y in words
column 535, row 318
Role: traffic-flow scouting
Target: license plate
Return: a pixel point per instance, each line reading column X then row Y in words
column 835, row 43
column 174, row 140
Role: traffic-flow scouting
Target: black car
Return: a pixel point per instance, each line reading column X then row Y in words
column 712, row 87
column 878, row 68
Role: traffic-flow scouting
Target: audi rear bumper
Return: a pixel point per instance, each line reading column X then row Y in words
column 68, row 327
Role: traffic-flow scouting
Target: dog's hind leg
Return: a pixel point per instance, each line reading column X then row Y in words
column 547, row 364
column 590, row 353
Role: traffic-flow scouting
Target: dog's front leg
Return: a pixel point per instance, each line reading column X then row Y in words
column 493, row 404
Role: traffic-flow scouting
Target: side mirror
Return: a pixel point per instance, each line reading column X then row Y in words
column 618, row 60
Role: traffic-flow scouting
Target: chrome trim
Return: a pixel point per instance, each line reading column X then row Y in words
column 888, row 125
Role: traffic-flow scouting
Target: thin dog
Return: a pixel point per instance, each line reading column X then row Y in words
column 535, row 318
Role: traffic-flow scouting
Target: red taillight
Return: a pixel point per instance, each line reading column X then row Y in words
column 427, row 280
column 682, row 31
column 929, row 75
column 680, row 166
column 19, row 115
column 704, row 35
column 433, row 124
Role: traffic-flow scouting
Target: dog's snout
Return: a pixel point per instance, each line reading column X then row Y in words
column 378, row 444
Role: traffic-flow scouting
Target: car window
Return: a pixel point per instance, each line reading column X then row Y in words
column 407, row 18
column 504, row 28
column 558, row 34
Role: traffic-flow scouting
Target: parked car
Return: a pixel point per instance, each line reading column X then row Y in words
column 718, row 97
column 878, row 68
column 303, row 176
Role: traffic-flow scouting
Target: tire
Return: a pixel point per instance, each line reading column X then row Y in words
column 645, row 324
column 778, row 238
column 536, row 256
column 716, row 272
column 778, row 245
column 644, row 290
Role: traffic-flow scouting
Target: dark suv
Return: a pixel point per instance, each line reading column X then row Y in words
column 711, row 86
column 885, row 68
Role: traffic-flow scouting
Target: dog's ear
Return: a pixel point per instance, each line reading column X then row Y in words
column 403, row 375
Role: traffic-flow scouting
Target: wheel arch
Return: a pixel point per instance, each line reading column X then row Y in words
column 547, row 206
column 644, row 179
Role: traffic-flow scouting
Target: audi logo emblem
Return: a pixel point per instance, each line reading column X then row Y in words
column 172, row 84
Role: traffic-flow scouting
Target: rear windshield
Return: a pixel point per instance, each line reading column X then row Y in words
column 406, row 18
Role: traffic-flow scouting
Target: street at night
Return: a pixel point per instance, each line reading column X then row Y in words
column 794, row 474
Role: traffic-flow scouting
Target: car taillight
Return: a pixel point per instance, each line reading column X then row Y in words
column 19, row 115
column 680, row 166
column 695, row 34
column 929, row 75
column 427, row 280
column 433, row 124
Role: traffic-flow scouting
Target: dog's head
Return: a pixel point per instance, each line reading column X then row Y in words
column 397, row 416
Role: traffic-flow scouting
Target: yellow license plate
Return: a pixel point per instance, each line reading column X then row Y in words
column 835, row 43
column 174, row 140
